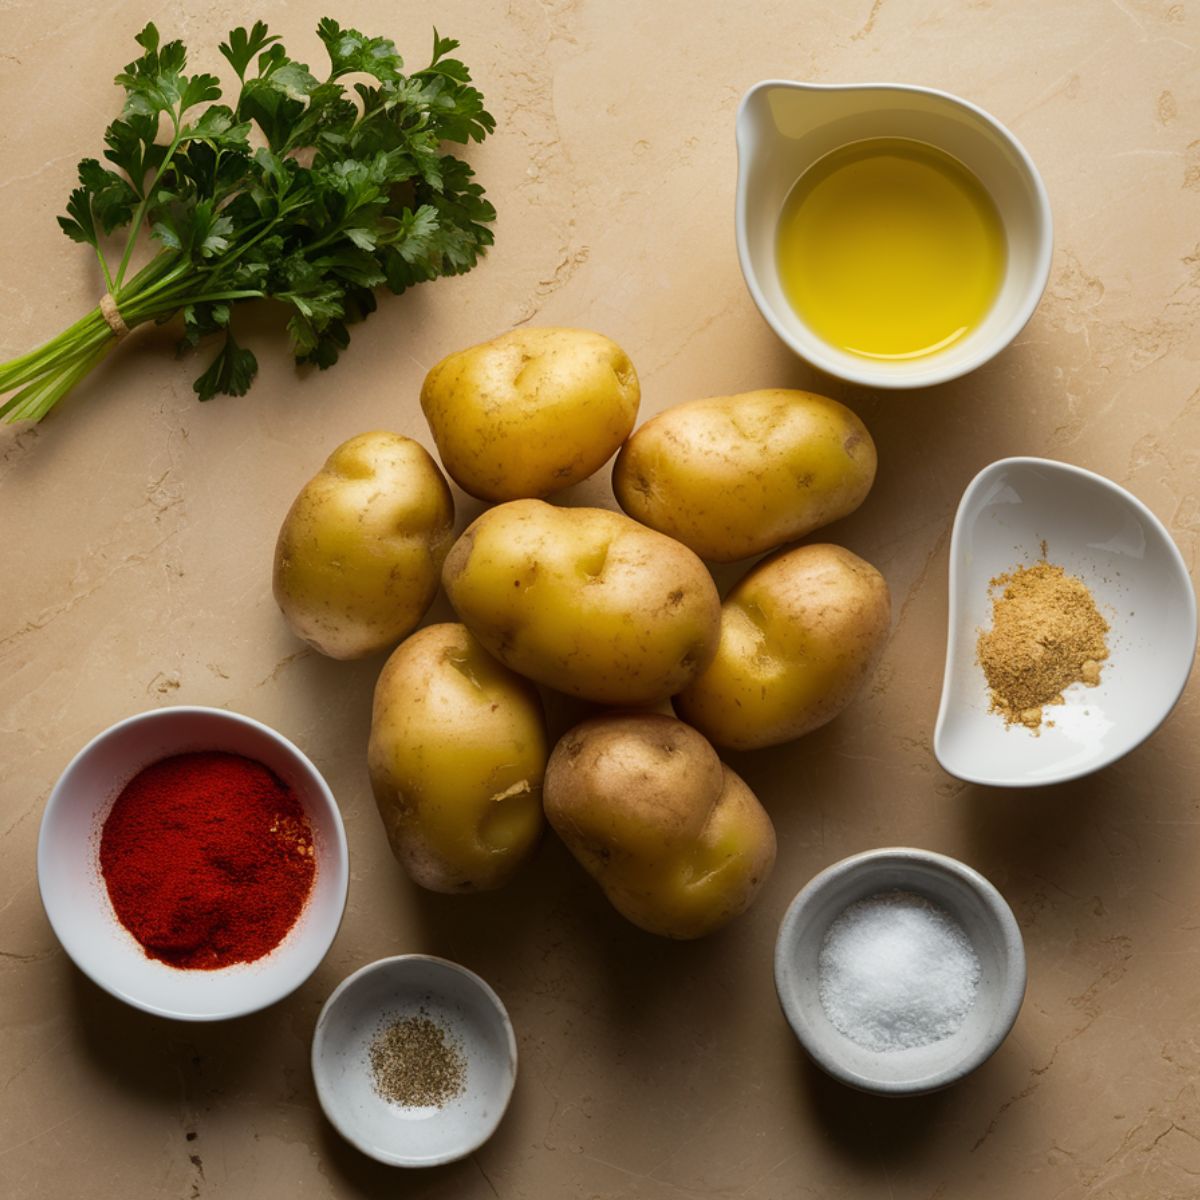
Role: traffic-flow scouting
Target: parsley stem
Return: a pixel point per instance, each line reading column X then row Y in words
column 136, row 224
column 108, row 279
column 48, row 349
column 51, row 358
column 243, row 246
column 212, row 297
column 141, row 291
column 48, row 394
column 39, row 396
column 70, row 378
column 169, row 302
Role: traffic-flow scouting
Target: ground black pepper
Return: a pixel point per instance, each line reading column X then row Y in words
column 417, row 1064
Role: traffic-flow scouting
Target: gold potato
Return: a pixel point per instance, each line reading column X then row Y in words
column 530, row 412
column 457, row 755
column 358, row 557
column 584, row 600
column 800, row 635
column 734, row 476
column 677, row 841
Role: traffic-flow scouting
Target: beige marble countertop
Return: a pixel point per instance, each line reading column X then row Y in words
column 137, row 535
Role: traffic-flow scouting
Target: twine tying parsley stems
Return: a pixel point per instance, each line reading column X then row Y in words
column 153, row 293
column 112, row 314
column 48, row 373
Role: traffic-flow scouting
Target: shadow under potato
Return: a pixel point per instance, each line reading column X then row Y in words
column 552, row 926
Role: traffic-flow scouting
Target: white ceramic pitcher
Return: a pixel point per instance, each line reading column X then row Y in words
column 785, row 127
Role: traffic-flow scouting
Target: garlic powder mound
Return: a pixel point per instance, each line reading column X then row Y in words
column 1046, row 634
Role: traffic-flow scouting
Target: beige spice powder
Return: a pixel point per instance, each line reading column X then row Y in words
column 1046, row 634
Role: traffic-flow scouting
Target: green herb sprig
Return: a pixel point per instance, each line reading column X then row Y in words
column 335, row 195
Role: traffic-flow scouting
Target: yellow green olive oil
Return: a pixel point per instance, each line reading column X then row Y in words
column 890, row 248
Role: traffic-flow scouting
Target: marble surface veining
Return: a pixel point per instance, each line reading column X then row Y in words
column 137, row 534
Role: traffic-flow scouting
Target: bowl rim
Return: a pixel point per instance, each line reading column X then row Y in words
column 877, row 377
column 1012, row 990
column 395, row 963
column 338, row 861
column 952, row 616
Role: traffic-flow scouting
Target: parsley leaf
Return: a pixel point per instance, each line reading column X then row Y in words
column 243, row 46
column 349, row 51
column 231, row 372
column 131, row 146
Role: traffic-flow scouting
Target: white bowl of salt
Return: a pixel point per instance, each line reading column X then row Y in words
column 900, row 970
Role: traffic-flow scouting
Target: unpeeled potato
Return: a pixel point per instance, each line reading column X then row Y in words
column 530, row 412
column 734, row 476
column 456, row 756
column 677, row 841
column 584, row 600
column 800, row 635
column 360, row 551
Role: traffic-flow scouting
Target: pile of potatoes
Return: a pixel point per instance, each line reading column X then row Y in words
column 619, row 610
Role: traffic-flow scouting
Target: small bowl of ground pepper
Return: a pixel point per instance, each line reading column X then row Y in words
column 1072, row 626
column 414, row 1060
column 193, row 863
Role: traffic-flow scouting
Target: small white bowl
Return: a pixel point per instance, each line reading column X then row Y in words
column 1119, row 548
column 784, row 127
column 77, row 903
column 394, row 989
column 965, row 895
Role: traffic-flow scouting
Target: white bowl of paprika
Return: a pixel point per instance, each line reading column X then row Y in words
column 193, row 863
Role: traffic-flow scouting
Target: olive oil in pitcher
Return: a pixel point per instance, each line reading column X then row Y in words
column 889, row 248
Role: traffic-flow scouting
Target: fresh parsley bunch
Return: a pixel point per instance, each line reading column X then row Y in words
column 332, row 196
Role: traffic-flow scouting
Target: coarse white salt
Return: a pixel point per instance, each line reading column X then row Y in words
column 896, row 972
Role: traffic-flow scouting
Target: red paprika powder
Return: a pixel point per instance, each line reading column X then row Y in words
column 208, row 859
